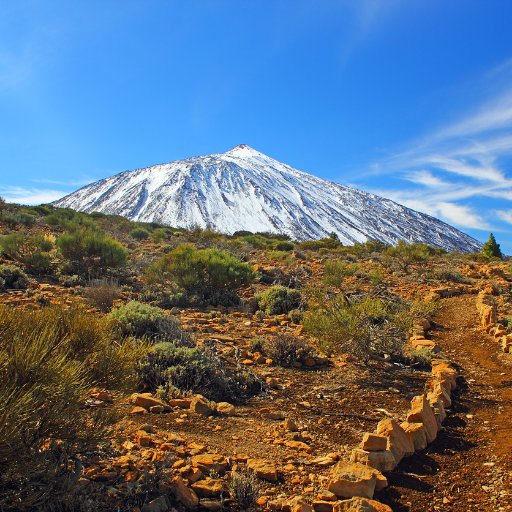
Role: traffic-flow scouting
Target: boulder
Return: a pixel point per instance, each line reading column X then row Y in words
column 438, row 392
column 322, row 506
column 226, row 409
column 398, row 442
column 383, row 460
column 181, row 403
column 159, row 504
column 200, row 405
column 421, row 412
column 352, row 479
column 444, row 374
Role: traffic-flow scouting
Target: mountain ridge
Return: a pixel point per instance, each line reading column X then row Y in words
column 244, row 189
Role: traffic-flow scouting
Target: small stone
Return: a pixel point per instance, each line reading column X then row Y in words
column 200, row 405
column 226, row 409
column 264, row 469
column 290, row 425
column 184, row 494
column 138, row 411
column 159, row 504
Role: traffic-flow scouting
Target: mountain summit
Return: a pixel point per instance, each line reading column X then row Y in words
column 244, row 189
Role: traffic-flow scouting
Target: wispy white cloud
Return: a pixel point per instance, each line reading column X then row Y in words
column 30, row 196
column 460, row 162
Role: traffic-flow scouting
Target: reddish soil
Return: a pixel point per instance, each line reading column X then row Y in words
column 469, row 466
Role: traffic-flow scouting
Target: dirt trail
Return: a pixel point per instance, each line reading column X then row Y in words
column 469, row 466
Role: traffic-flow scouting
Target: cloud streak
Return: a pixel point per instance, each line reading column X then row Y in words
column 465, row 160
column 30, row 196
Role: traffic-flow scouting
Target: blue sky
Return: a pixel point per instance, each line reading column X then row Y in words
column 411, row 99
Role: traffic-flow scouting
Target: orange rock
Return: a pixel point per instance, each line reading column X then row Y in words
column 352, row 479
column 210, row 462
column 264, row 469
column 373, row 442
column 421, row 412
column 209, row 487
column 398, row 442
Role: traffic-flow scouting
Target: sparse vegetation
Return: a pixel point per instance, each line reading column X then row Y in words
column 50, row 360
column 102, row 293
column 244, row 488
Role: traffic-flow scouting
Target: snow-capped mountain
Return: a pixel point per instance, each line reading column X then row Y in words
column 244, row 189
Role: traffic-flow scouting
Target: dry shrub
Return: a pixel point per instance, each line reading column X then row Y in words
column 49, row 360
column 102, row 293
column 286, row 349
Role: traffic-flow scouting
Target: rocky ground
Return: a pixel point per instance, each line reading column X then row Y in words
column 312, row 416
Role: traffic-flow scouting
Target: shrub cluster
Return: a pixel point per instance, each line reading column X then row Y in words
column 32, row 251
column 198, row 370
column 208, row 276
column 366, row 327
column 91, row 251
column 12, row 278
column 278, row 300
column 143, row 320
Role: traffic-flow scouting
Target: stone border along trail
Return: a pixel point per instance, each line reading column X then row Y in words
column 469, row 466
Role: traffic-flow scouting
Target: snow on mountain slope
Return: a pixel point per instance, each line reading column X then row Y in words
column 244, row 189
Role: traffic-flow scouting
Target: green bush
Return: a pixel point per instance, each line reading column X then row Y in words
column 139, row 233
column 278, row 300
column 91, row 251
column 323, row 243
column 286, row 349
column 198, row 370
column 15, row 218
column 284, row 246
column 404, row 254
column 421, row 357
column 212, row 276
column 336, row 271
column 32, row 251
column 258, row 345
column 365, row 327
column 160, row 234
column 12, row 278
column 143, row 320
